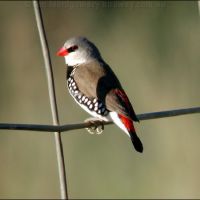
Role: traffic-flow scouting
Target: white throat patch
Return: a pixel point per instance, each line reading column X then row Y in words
column 72, row 60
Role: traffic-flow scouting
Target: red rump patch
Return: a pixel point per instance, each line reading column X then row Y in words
column 127, row 123
column 123, row 97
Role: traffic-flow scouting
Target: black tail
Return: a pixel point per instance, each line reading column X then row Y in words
column 136, row 142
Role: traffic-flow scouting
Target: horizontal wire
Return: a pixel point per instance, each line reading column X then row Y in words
column 68, row 127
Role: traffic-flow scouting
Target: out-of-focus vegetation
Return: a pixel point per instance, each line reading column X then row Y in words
column 154, row 48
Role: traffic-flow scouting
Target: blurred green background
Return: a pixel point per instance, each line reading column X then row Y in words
column 154, row 48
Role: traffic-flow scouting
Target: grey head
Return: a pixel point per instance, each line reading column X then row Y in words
column 80, row 51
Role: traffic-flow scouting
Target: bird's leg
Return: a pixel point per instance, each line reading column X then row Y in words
column 97, row 126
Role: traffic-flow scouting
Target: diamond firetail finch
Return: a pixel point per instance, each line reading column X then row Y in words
column 95, row 87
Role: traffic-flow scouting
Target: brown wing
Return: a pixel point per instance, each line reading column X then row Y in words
column 117, row 100
column 97, row 80
column 87, row 77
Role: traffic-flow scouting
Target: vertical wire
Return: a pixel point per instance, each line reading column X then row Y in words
column 52, row 97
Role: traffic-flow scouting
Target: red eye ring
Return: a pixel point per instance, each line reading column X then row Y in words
column 72, row 48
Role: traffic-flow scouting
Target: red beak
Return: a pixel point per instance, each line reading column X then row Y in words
column 62, row 52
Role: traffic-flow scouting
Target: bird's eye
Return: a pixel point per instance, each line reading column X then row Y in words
column 72, row 48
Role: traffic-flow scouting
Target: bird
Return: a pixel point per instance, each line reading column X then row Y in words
column 95, row 87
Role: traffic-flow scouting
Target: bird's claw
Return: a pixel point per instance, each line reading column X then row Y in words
column 95, row 128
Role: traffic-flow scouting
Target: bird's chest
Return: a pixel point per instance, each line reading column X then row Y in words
column 90, row 104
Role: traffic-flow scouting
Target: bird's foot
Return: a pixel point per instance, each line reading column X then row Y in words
column 97, row 126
